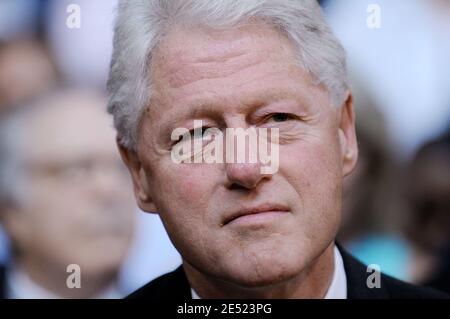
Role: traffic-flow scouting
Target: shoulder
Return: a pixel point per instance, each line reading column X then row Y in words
column 388, row 288
column 2, row 282
column 173, row 285
column 401, row 290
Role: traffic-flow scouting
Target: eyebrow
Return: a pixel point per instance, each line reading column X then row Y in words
column 202, row 108
column 259, row 99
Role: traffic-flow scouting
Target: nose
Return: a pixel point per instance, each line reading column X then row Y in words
column 242, row 175
column 246, row 175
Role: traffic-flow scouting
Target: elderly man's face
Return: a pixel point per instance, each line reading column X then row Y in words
column 241, row 78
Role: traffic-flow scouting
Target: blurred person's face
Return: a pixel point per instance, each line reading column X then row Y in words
column 237, row 79
column 428, row 193
column 26, row 71
column 78, row 207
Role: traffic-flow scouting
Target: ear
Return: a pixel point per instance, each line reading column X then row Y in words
column 139, row 178
column 347, row 136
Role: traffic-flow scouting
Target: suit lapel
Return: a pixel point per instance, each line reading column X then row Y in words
column 357, row 276
column 2, row 282
column 179, row 287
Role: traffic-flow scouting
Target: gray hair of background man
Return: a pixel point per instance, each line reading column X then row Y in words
column 141, row 24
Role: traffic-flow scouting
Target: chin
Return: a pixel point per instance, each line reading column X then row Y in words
column 262, row 272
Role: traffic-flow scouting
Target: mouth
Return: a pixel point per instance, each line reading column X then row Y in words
column 256, row 214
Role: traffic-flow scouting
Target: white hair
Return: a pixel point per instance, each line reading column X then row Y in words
column 141, row 24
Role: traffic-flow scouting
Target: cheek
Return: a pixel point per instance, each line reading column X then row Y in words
column 192, row 184
column 61, row 210
column 313, row 174
column 186, row 186
column 183, row 200
column 310, row 164
column 314, row 171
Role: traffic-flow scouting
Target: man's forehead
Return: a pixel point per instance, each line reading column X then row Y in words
column 64, row 130
column 244, row 67
column 186, row 57
column 205, row 46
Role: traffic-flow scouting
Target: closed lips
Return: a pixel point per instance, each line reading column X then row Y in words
column 256, row 210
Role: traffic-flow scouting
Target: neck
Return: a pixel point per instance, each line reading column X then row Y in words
column 311, row 283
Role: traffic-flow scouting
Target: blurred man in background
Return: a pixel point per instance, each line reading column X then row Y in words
column 65, row 199
column 428, row 226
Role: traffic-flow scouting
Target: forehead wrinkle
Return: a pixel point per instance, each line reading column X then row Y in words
column 213, row 58
column 209, row 45
column 188, row 73
column 212, row 52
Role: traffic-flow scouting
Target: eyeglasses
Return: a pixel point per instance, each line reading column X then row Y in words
column 76, row 170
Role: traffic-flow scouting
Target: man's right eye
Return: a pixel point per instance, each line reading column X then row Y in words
column 190, row 135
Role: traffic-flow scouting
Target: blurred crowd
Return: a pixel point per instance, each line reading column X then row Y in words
column 66, row 199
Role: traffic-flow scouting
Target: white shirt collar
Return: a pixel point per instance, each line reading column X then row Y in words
column 21, row 286
column 338, row 286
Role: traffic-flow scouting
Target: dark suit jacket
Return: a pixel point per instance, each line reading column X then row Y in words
column 175, row 285
column 2, row 282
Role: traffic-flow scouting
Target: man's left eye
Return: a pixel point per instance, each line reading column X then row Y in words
column 280, row 117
